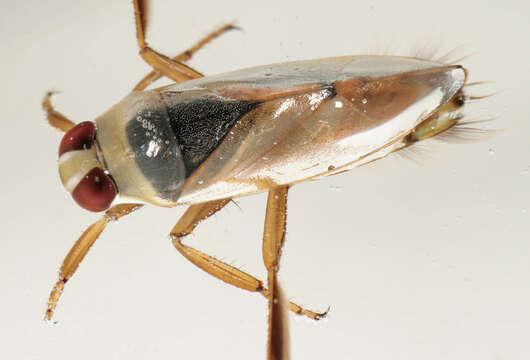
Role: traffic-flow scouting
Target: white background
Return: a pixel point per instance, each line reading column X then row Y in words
column 425, row 259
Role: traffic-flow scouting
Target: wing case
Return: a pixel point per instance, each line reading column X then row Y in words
column 311, row 118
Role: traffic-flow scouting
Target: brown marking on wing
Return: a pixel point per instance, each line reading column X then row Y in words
column 382, row 98
column 262, row 182
column 264, row 93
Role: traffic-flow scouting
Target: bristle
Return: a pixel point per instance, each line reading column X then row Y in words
column 471, row 97
column 384, row 47
column 427, row 51
column 446, row 58
column 481, row 121
column 416, row 153
column 459, row 134
column 460, row 59
column 390, row 48
column 474, row 83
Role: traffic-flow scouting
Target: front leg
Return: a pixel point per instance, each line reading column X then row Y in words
column 80, row 249
column 55, row 118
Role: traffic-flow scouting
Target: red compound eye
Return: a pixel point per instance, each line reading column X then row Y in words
column 96, row 191
column 79, row 137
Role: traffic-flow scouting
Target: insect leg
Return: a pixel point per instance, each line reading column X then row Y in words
column 184, row 56
column 273, row 239
column 80, row 249
column 55, row 118
column 227, row 273
column 168, row 67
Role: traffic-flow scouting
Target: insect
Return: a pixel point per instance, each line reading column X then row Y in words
column 205, row 140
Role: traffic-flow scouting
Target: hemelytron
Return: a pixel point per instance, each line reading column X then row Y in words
column 207, row 139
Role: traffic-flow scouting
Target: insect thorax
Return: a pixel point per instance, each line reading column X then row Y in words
column 153, row 140
column 139, row 149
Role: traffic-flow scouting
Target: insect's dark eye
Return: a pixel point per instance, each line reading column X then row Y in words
column 80, row 137
column 96, row 191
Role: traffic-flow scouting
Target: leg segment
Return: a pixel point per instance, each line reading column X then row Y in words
column 273, row 239
column 222, row 271
column 184, row 56
column 55, row 118
column 80, row 249
column 227, row 273
column 168, row 67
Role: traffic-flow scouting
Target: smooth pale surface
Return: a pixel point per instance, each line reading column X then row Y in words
column 425, row 261
column 325, row 70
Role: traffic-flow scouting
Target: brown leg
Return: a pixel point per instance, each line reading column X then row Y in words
column 184, row 56
column 273, row 239
column 168, row 67
column 227, row 273
column 80, row 249
column 55, row 118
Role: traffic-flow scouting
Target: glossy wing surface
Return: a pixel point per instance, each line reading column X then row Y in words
column 332, row 113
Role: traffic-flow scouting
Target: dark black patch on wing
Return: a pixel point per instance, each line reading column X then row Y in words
column 200, row 124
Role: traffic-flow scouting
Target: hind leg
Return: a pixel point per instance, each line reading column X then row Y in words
column 273, row 239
